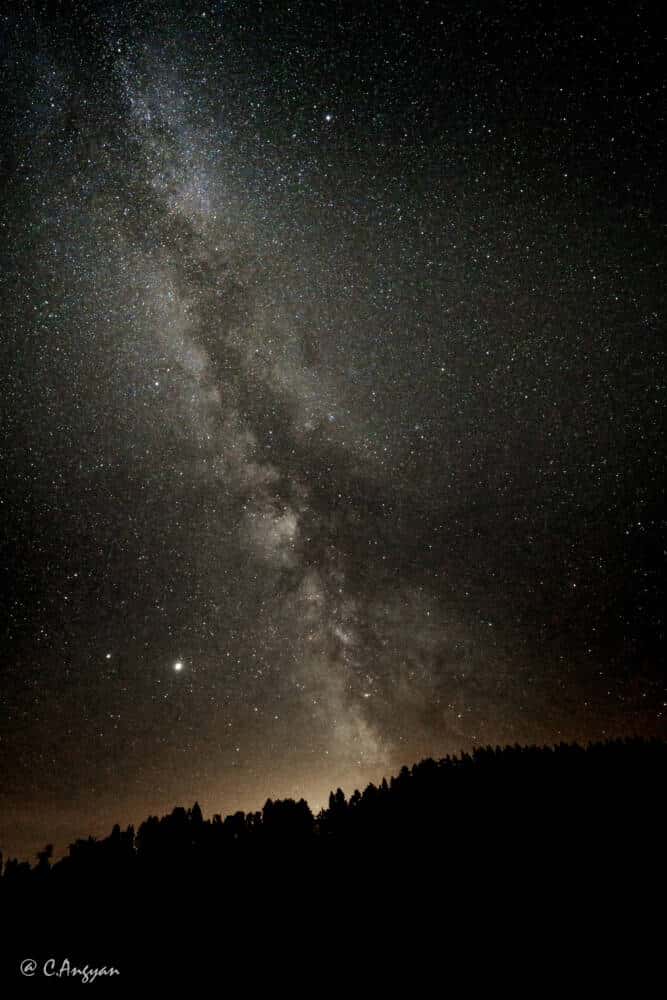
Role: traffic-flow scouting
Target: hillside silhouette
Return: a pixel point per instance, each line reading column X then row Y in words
column 513, row 798
column 537, row 821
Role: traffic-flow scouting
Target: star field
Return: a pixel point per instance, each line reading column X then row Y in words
column 332, row 387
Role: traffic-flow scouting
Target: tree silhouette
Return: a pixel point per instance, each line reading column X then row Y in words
column 515, row 809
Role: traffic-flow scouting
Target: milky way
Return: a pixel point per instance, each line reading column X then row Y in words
column 331, row 383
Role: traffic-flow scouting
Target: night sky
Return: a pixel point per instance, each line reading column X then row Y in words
column 332, row 395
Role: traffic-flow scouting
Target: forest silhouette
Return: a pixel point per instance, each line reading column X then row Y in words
column 512, row 799
column 531, row 823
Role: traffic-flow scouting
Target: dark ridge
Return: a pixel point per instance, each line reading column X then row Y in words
column 525, row 830
column 503, row 796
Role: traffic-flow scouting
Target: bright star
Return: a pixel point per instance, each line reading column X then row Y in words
column 178, row 665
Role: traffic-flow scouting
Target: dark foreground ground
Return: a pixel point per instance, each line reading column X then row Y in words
column 503, row 865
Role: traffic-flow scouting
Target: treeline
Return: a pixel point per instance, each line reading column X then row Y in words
column 548, row 806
